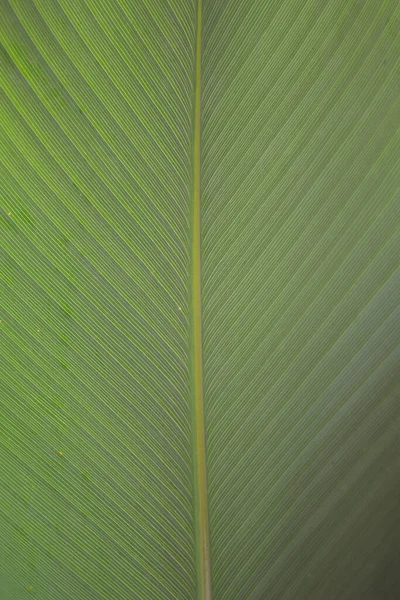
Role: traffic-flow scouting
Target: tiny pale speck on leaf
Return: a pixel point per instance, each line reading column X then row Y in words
column 179, row 308
column 60, row 453
column 9, row 214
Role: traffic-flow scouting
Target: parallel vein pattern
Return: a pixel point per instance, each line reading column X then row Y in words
column 300, row 193
column 95, row 165
column 287, row 195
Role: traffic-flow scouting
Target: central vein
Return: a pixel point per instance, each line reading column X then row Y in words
column 200, row 479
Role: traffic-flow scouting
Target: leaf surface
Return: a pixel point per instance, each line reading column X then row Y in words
column 199, row 291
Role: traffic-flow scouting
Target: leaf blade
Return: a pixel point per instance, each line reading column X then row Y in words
column 93, row 345
column 301, row 240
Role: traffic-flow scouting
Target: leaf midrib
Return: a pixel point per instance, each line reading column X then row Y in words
column 202, row 550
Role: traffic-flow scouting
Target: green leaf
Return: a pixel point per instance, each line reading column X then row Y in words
column 199, row 291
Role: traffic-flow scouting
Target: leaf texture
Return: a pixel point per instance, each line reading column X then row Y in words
column 96, row 138
column 296, row 170
column 301, row 253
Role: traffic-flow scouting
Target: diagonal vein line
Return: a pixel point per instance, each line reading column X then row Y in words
column 117, row 123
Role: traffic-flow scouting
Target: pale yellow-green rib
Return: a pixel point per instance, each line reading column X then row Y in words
column 200, row 483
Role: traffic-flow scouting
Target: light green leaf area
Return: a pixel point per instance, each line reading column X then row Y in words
column 199, row 299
